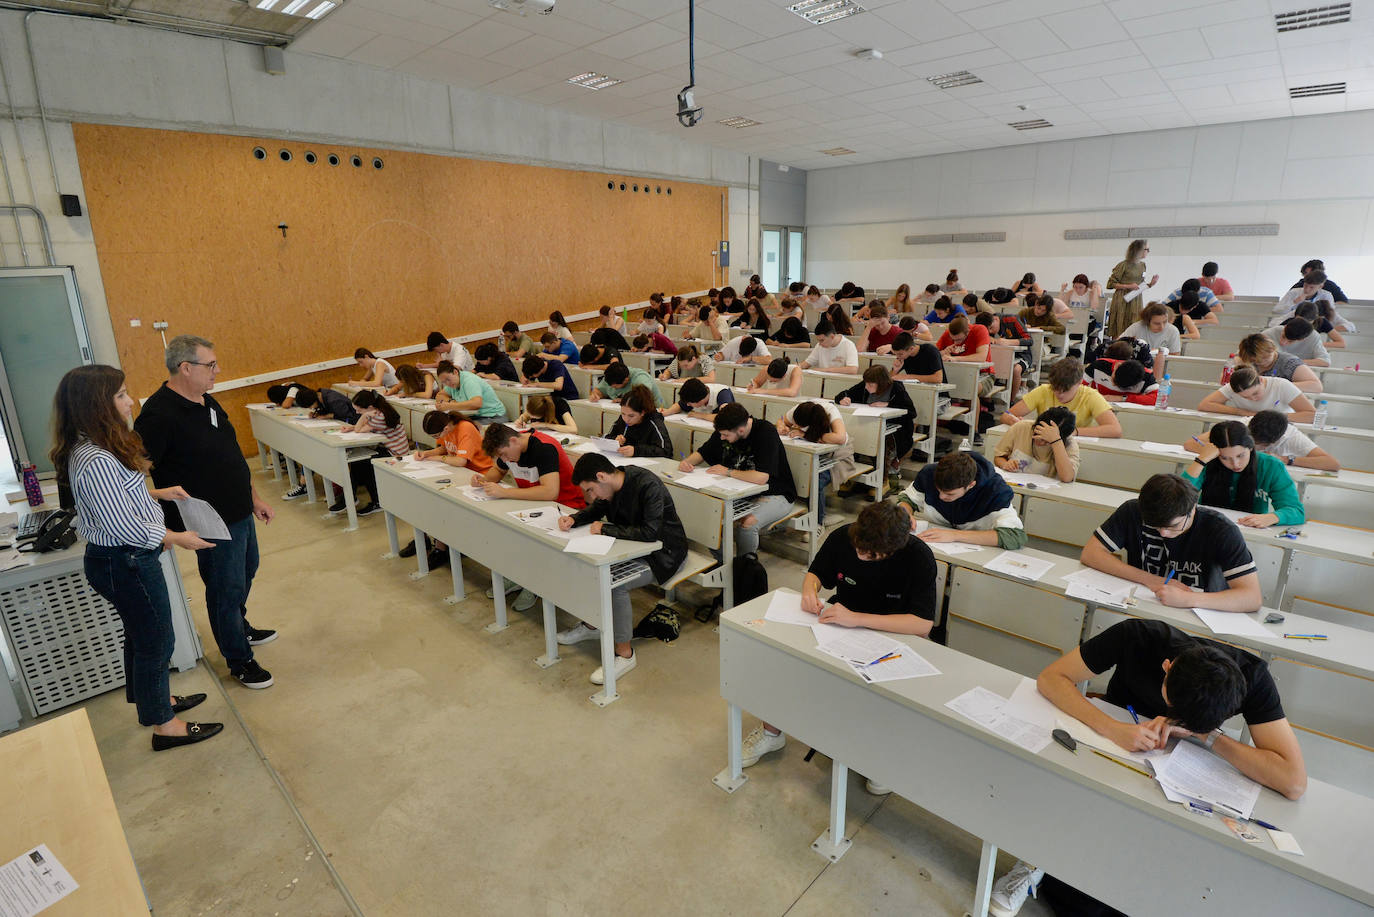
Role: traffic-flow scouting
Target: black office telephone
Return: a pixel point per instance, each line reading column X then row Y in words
column 56, row 534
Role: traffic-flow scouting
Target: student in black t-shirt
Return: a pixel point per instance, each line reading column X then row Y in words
column 1180, row 686
column 748, row 450
column 879, row 389
column 1165, row 530
column 917, row 360
column 884, row 579
column 493, row 364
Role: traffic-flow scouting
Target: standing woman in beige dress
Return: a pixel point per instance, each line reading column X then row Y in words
column 1127, row 277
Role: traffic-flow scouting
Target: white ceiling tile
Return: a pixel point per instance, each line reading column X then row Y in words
column 771, row 49
column 1258, row 91
column 517, row 83
column 1008, row 77
column 649, row 9
column 1175, row 48
column 387, row 51
column 424, row 11
column 1079, row 28
column 637, row 40
column 530, row 48
column 1089, row 90
column 986, row 17
column 1050, row 65
column 1249, row 36
column 717, row 30
column 764, row 18
column 1127, row 64
column 1196, row 16
column 1136, row 84
column 923, row 20
column 458, row 69
column 385, row 22
column 1141, row 9
column 1209, row 97
column 487, row 36
column 332, row 39
column 1025, row 39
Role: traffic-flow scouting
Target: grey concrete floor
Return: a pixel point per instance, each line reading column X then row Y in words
column 441, row 772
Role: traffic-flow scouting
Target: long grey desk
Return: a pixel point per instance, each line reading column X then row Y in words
column 1118, row 838
column 486, row 532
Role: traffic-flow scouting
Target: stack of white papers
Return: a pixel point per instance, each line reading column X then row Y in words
column 349, row 437
column 1193, row 773
column 620, row 461
column 867, row 410
column 989, row 711
column 604, row 445
column 1022, row 566
column 953, row 547
column 588, row 544
column 1038, row 481
column 873, row 656
column 699, row 422
column 784, row 607
column 1099, row 588
column 473, row 492
column 1164, row 448
column 305, row 420
column 1230, row 622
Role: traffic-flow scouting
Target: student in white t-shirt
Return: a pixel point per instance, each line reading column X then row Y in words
column 1272, row 433
column 378, row 372
column 833, row 352
column 1155, row 328
column 1249, row 393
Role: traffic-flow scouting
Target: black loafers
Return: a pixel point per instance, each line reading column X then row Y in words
column 195, row 732
column 187, row 702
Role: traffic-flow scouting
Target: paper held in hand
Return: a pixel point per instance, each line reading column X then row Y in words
column 200, row 517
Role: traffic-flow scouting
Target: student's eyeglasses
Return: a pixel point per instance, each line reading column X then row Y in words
column 213, row 364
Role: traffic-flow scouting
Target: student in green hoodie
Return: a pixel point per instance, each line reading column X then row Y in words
column 1231, row 473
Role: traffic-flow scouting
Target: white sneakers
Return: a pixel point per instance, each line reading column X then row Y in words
column 758, row 743
column 1011, row 891
column 511, row 586
column 623, row 664
column 525, row 600
column 577, row 635
column 877, row 789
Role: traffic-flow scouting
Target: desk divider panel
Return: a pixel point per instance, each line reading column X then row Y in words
column 1015, row 625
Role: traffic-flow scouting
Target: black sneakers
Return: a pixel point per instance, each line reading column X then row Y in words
column 407, row 551
column 369, row 509
column 257, row 636
column 252, row 675
column 437, row 557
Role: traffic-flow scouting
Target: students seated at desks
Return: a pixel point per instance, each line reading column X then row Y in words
column 1181, row 686
column 1118, row 379
column 630, row 503
column 493, row 363
column 412, row 383
column 286, row 394
column 1182, row 313
column 558, row 326
column 790, row 308
column 963, row 498
column 838, row 315
column 559, row 349
column 699, row 398
column 748, row 449
column 862, row 314
column 943, row 312
column 549, row 413
column 1219, row 286
column 1045, row 446
column 1322, row 318
column 615, row 383
column 965, row 342
column 791, row 332
column 879, row 390
column 1155, row 328
column 684, row 312
column 744, row 349
column 649, row 322
column 1064, row 386
column 549, row 374
column 596, row 354
column 467, row 393
column 458, row 442
column 952, row 286
column 375, row 415
column 927, row 296
column 850, row 292
column 447, row 348
column 816, row 299
column 1198, row 306
column 639, row 429
column 917, row 360
column 517, row 343
column 753, row 318
column 1009, row 329
column 912, row 325
column 1027, row 286
column 653, row 343
column 1173, row 545
column 756, row 290
column 298, row 394
column 900, row 300
column 972, row 305
column 672, row 313
column 609, row 337
column 729, row 301
column 1039, row 312
column 1249, row 393
column 1296, row 336
column 883, row 580
column 1264, row 355
column 1232, row 474
column 377, row 373
column 821, row 422
column 779, row 377
column 711, row 324
column 880, row 333
column 1080, row 293
column 797, row 290
column 833, row 352
column 609, row 319
column 1274, row 435
column 1312, row 288
column 691, row 363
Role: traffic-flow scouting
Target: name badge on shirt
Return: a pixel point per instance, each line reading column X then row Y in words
column 214, row 419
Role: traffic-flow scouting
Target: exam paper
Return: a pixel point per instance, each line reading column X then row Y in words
column 622, row 460
column 1229, row 622
column 785, row 608
column 988, row 710
column 32, row 882
column 589, row 544
column 698, row 422
column 350, row 437
column 695, row 479
column 908, row 664
column 1164, row 448
column 1098, row 587
column 473, row 492
column 953, row 547
column 1134, row 294
column 200, row 517
column 1085, row 734
column 867, row 410
column 856, row 644
column 1027, row 703
column 1196, row 773
column 1020, row 565
column 305, row 420
column 604, row 444
column 1037, row 481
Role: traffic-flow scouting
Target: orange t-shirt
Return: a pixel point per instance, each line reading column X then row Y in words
column 464, row 439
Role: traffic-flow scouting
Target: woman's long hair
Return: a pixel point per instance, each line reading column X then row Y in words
column 83, row 408
column 1216, row 488
column 370, row 399
column 813, row 420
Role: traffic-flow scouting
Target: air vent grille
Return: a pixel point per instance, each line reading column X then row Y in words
column 1316, row 89
column 1333, row 14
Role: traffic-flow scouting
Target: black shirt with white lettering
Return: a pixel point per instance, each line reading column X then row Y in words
column 1210, row 554
column 903, row 583
column 193, row 446
column 926, row 361
column 761, row 450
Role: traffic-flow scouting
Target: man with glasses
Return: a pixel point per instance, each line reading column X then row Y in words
column 1173, row 545
column 191, row 444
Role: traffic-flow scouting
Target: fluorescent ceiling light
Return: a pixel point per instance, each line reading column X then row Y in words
column 739, row 121
column 838, row 151
column 293, row 7
column 320, row 10
column 954, row 80
column 1334, row 14
column 819, row 12
column 265, row 4
column 593, row 80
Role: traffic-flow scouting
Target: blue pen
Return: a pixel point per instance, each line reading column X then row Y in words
column 1265, row 824
column 1170, row 575
column 1131, row 711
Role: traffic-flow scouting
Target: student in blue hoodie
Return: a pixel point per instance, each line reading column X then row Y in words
column 558, row 349
column 963, row 498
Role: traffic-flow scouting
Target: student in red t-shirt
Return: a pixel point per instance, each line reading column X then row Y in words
column 880, row 333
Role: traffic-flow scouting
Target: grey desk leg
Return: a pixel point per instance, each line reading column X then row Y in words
column 291, row 473
column 351, row 504
column 455, row 565
column 733, row 777
column 309, row 477
column 982, row 892
column 498, row 588
column 391, row 538
column 727, row 558
column 550, row 656
column 262, row 455
column 833, row 844
column 276, row 458
column 880, row 485
column 608, row 694
column 1281, row 584
column 421, row 555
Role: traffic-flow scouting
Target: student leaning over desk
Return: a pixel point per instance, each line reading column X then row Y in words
column 962, row 498
column 1231, row 473
column 1045, row 446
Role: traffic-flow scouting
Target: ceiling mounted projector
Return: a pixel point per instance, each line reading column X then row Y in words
column 542, row 7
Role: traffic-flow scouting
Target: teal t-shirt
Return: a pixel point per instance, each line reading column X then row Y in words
column 1273, row 486
column 470, row 386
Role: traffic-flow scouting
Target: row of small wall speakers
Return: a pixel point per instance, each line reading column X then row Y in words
column 656, row 189
column 309, row 156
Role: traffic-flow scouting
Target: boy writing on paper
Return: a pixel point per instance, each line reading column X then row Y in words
column 1180, row 686
column 883, row 580
column 963, row 498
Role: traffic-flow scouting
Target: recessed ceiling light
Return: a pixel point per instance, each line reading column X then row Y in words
column 954, row 80
column 319, row 11
column 294, row 7
column 1333, row 14
column 838, row 151
column 1030, row 125
column 819, row 12
column 265, row 4
column 1316, row 89
column 739, row 121
column 593, row 80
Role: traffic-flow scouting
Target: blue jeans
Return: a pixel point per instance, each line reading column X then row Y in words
column 822, row 484
column 131, row 580
column 227, row 570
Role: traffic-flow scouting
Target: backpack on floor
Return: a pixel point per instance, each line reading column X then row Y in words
column 750, row 579
column 660, row 624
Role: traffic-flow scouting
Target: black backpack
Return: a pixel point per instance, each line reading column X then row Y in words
column 750, row 579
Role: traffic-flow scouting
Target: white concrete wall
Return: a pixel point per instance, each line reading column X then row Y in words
column 1313, row 176
column 104, row 72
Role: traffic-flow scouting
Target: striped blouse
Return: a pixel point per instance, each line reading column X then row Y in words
column 113, row 506
column 396, row 441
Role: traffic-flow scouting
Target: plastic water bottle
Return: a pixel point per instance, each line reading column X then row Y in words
column 1165, row 387
column 1319, row 419
column 1229, row 368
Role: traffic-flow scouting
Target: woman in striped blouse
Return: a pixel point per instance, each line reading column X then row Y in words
column 102, row 461
column 375, row 415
